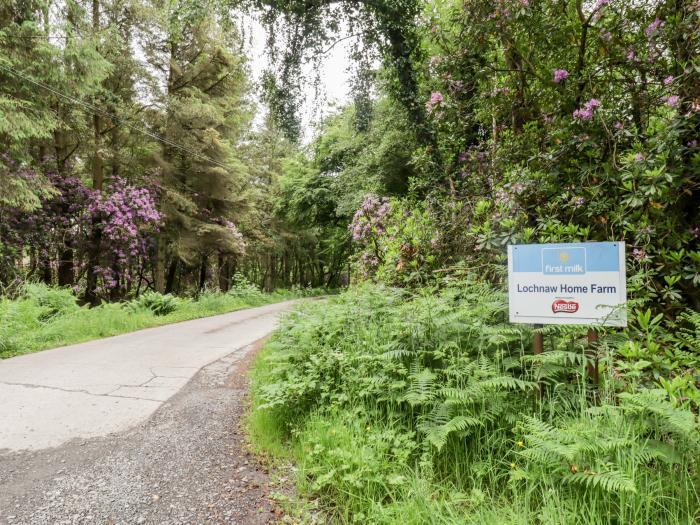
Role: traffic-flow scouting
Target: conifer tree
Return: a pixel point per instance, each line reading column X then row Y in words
column 205, row 116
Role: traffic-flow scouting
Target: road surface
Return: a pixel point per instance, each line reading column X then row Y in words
column 110, row 385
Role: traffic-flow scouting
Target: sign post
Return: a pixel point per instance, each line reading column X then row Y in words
column 568, row 284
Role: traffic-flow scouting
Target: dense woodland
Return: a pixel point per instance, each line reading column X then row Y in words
column 130, row 163
column 129, row 160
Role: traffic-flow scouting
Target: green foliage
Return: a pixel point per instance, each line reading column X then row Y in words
column 402, row 250
column 52, row 301
column 389, row 397
column 240, row 286
column 156, row 302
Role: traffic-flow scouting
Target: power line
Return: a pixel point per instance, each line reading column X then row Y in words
column 121, row 121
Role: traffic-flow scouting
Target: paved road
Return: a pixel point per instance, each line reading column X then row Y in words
column 110, row 385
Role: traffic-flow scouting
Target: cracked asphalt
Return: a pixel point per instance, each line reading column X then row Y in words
column 110, row 385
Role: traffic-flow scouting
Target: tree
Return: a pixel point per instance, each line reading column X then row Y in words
column 204, row 119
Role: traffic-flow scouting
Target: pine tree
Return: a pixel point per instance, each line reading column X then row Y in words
column 205, row 116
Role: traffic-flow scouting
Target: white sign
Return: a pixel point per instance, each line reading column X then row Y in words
column 578, row 283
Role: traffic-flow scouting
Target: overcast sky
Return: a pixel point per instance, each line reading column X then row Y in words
column 335, row 86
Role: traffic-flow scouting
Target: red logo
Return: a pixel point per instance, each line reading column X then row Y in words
column 567, row 307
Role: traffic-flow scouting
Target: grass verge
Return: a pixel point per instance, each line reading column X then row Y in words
column 45, row 317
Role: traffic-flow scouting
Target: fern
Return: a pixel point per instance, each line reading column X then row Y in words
column 610, row 481
column 678, row 421
column 421, row 387
column 438, row 435
column 507, row 382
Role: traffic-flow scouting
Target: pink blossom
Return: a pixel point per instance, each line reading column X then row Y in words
column 560, row 74
column 586, row 112
column 672, row 100
column 639, row 254
column 653, row 27
column 668, row 80
column 436, row 99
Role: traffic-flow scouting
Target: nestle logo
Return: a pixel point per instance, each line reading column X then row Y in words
column 566, row 307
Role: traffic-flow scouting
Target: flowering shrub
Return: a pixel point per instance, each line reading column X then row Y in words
column 396, row 241
column 126, row 215
column 66, row 220
column 367, row 228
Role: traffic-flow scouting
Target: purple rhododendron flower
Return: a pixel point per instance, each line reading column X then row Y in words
column 639, row 254
column 653, row 27
column 586, row 112
column 436, row 99
column 672, row 100
column 560, row 74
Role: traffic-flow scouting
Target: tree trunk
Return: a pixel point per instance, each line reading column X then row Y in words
column 159, row 278
column 66, row 269
column 224, row 273
column 159, row 268
column 203, row 273
column 46, row 274
column 172, row 272
column 97, row 184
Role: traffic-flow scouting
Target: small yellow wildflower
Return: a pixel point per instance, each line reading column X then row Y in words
column 368, row 429
column 520, row 444
column 513, row 465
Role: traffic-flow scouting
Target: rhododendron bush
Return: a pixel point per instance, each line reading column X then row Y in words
column 124, row 216
column 563, row 121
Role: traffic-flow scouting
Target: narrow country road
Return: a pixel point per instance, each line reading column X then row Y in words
column 118, row 431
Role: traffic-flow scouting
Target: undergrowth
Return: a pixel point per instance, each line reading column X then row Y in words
column 431, row 408
column 45, row 317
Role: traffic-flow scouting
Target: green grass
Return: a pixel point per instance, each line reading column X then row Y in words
column 46, row 317
column 267, row 431
column 426, row 409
